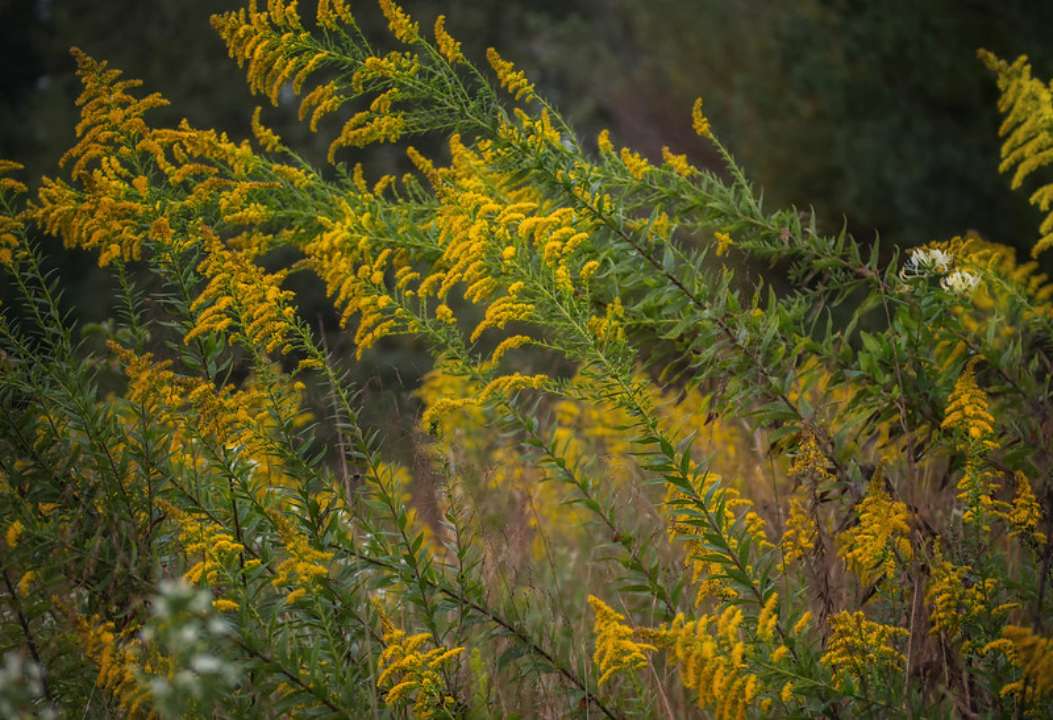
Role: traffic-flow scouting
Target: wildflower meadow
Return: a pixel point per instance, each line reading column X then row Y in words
column 677, row 454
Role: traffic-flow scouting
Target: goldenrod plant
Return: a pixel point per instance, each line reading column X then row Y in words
column 644, row 482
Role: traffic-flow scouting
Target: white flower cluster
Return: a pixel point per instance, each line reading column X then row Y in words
column 186, row 630
column 924, row 262
column 960, row 282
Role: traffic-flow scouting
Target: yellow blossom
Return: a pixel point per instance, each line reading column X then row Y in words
column 699, row 122
column 512, row 80
column 880, row 542
column 615, row 649
column 401, row 24
column 448, row 46
column 14, row 532
column 858, row 647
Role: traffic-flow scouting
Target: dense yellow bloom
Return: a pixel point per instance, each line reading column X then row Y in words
column 400, row 24
column 225, row 605
column 1025, row 512
column 956, row 599
column 1032, row 654
column 304, row 565
column 615, row 649
column 13, row 533
column 331, row 13
column 512, row 80
column 724, row 241
column 635, row 163
column 768, row 619
column 810, row 462
column 10, row 224
column 699, row 122
column 242, row 294
column 801, row 533
column 968, row 408
column 710, row 656
column 267, row 138
column 448, row 46
column 881, row 541
column 118, row 657
column 1027, row 104
column 408, row 672
column 603, row 142
column 678, row 163
column 205, row 540
column 858, row 646
column 26, row 582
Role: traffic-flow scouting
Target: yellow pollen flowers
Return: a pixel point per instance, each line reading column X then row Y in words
column 858, row 646
column 699, row 122
column 615, row 649
column 968, row 408
column 512, row 80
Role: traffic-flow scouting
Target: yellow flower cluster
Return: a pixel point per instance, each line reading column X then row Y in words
column 880, row 543
column 678, row 163
column 400, row 24
column 304, row 565
column 243, row 294
column 810, row 462
column 1025, row 513
column 448, row 46
column 408, row 672
column 858, row 647
column 801, row 533
column 118, row 657
column 968, row 408
column 1027, row 104
column 615, row 650
column 344, row 257
column 710, row 655
column 14, row 533
column 1032, row 654
column 956, row 599
column 10, row 225
column 681, row 510
column 512, row 80
column 204, row 539
column 699, row 122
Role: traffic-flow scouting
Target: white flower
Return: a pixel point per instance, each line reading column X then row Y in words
column 923, row 261
column 960, row 282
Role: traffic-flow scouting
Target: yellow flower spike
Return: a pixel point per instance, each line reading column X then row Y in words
column 724, row 241
column 267, row 138
column 449, row 48
column 14, row 533
column 209, row 545
column 858, row 646
column 880, row 543
column 802, row 623
column 953, row 600
column 332, row 13
column 801, row 533
column 635, row 163
column 401, row 25
column 406, row 672
column 603, row 142
column 1025, row 514
column 615, row 650
column 699, row 122
column 505, row 346
column 25, row 583
column 678, row 163
column 1027, row 128
column 444, row 314
column 768, row 618
column 506, row 385
column 225, row 605
column 968, row 407
column 512, row 80
column 1032, row 655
